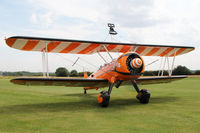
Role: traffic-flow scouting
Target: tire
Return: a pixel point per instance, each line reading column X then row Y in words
column 143, row 96
column 103, row 99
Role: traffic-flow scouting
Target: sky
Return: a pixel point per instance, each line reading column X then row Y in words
column 162, row 22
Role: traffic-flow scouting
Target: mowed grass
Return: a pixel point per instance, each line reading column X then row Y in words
column 173, row 108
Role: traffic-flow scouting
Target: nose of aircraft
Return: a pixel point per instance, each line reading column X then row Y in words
column 136, row 63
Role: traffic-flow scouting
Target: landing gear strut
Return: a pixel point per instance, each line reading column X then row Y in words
column 85, row 91
column 143, row 95
column 104, row 97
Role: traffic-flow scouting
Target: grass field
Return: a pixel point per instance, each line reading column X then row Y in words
column 173, row 108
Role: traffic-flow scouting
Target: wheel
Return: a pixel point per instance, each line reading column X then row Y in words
column 103, row 99
column 143, row 96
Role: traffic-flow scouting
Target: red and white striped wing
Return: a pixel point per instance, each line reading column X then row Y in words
column 89, row 47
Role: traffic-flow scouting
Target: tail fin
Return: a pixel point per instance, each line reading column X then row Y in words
column 85, row 75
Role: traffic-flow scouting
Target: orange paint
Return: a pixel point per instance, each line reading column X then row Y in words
column 117, row 70
column 125, row 49
column 11, row 41
column 99, row 99
column 166, row 51
column 140, row 49
column 111, row 47
column 89, row 49
column 71, row 47
column 52, row 45
column 153, row 51
column 179, row 51
column 30, row 45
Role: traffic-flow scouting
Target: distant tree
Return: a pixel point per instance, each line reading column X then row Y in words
column 19, row 73
column 89, row 73
column 73, row 73
column 197, row 72
column 80, row 74
column 181, row 70
column 62, row 72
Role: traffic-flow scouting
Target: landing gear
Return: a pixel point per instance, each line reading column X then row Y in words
column 143, row 95
column 104, row 97
column 85, row 91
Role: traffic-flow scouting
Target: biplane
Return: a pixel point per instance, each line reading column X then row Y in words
column 125, row 70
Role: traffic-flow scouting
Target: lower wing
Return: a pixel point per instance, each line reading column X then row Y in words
column 155, row 80
column 98, row 83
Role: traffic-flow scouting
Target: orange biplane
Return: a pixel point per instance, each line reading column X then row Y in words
column 126, row 69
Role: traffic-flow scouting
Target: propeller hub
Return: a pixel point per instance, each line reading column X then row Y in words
column 136, row 63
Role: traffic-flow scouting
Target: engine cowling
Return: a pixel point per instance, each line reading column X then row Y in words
column 130, row 63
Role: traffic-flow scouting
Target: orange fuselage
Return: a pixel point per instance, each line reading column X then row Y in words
column 119, row 69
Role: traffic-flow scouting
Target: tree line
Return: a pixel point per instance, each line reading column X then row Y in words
column 179, row 70
column 63, row 72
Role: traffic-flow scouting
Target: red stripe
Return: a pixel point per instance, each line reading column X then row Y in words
column 30, row 44
column 11, row 41
column 140, row 49
column 153, row 51
column 71, row 47
column 111, row 47
column 166, row 51
column 179, row 51
column 88, row 49
column 125, row 49
column 52, row 45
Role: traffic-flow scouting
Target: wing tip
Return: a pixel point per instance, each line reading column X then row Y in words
column 10, row 41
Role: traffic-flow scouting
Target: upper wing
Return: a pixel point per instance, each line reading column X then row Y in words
column 155, row 80
column 89, row 47
column 70, row 82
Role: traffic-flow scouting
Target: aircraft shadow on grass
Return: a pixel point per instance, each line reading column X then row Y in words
column 86, row 102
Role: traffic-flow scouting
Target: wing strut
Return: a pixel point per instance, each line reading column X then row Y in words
column 108, row 52
column 173, row 63
column 45, row 66
column 102, row 57
column 166, row 59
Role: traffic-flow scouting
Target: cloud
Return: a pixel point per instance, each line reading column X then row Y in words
column 142, row 21
column 33, row 18
column 45, row 19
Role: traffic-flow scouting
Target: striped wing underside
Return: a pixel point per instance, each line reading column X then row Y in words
column 90, row 47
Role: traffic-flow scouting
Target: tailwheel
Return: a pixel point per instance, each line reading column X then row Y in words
column 103, row 98
column 143, row 96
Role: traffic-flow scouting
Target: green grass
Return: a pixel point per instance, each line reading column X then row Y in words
column 173, row 108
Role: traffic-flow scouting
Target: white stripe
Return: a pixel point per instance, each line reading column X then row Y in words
column 185, row 51
column 117, row 48
column 162, row 49
column 41, row 45
column 81, row 47
column 173, row 51
column 147, row 50
column 95, row 50
column 137, row 62
column 61, row 46
column 20, row 43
